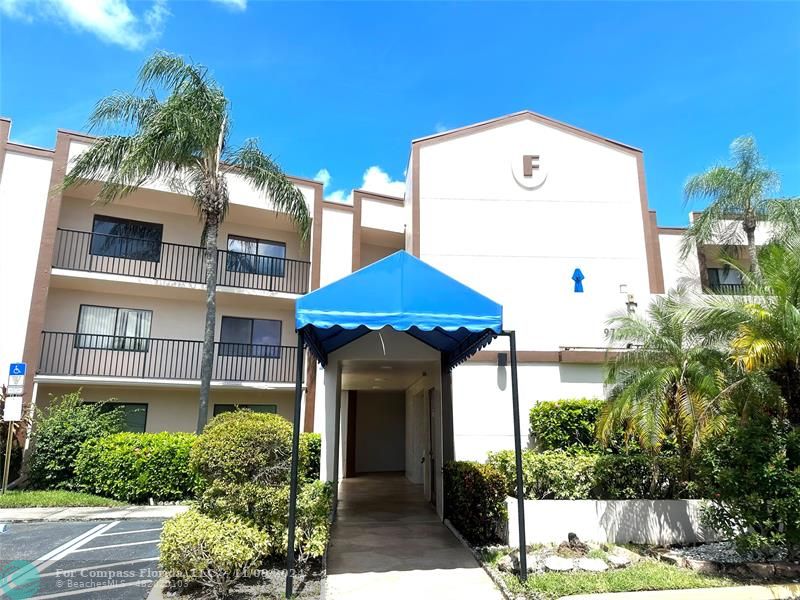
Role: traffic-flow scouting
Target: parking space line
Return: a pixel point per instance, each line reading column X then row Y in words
column 56, row 553
column 94, row 567
column 100, row 588
column 114, row 546
column 129, row 532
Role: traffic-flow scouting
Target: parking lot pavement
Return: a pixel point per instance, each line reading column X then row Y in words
column 88, row 559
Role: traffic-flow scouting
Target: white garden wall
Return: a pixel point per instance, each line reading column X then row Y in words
column 660, row 522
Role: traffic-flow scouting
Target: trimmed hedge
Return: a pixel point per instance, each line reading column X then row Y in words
column 563, row 476
column 245, row 447
column 474, row 500
column 565, row 424
column 135, row 467
column 547, row 475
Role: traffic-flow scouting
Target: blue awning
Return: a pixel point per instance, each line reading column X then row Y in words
column 406, row 294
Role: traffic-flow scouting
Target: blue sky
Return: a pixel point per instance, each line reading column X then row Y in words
column 346, row 86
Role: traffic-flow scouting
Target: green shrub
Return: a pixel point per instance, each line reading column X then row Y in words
column 134, row 467
column 312, row 526
column 58, row 433
column 555, row 475
column 564, row 476
column 565, row 424
column 245, row 447
column 637, row 476
column 474, row 500
column 754, row 472
column 213, row 552
column 268, row 508
column 311, row 448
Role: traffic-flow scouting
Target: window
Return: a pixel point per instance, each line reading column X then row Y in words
column 134, row 414
column 258, row 408
column 123, row 238
column 261, row 257
column 109, row 328
column 250, row 337
column 724, row 276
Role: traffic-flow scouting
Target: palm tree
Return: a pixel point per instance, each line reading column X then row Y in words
column 182, row 139
column 762, row 327
column 738, row 194
column 666, row 387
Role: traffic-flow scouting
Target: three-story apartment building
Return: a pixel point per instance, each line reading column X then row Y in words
column 109, row 298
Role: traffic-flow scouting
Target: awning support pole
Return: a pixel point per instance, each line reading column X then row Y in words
column 523, row 547
column 298, row 398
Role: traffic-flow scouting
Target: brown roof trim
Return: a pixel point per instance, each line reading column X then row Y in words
column 337, row 205
column 5, row 129
column 30, row 150
column 576, row 357
column 355, row 264
column 671, row 230
column 379, row 197
column 652, row 246
column 414, row 200
column 524, row 115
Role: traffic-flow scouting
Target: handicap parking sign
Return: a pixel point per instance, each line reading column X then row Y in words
column 16, row 379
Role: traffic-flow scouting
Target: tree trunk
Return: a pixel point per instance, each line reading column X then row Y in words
column 207, row 361
column 752, row 252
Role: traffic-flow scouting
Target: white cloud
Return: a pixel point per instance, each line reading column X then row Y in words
column 112, row 21
column 323, row 176
column 374, row 180
column 234, row 4
column 377, row 180
column 440, row 127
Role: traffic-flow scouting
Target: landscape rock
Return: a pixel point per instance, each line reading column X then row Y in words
column 762, row 570
column 507, row 564
column 622, row 552
column 556, row 563
column 618, row 562
column 596, row 565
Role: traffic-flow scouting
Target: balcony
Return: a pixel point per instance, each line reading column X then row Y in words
column 90, row 355
column 724, row 289
column 135, row 257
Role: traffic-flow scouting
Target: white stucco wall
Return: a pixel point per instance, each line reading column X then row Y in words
column 23, row 198
column 383, row 215
column 678, row 271
column 657, row 522
column 520, row 246
column 482, row 407
column 337, row 244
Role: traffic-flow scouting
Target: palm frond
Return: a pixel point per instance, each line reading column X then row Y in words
column 265, row 175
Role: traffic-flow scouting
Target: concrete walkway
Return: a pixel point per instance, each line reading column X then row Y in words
column 388, row 543
column 87, row 513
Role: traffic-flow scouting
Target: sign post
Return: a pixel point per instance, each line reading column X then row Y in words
column 12, row 411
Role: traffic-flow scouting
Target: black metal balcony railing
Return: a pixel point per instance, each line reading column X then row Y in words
column 117, row 255
column 90, row 355
column 726, row 288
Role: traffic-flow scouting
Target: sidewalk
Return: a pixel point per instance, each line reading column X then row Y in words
column 95, row 513
column 745, row 592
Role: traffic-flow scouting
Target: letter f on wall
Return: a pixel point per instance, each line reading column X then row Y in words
column 530, row 163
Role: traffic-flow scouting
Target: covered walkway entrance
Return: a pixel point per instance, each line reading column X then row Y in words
column 398, row 313
column 388, row 542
